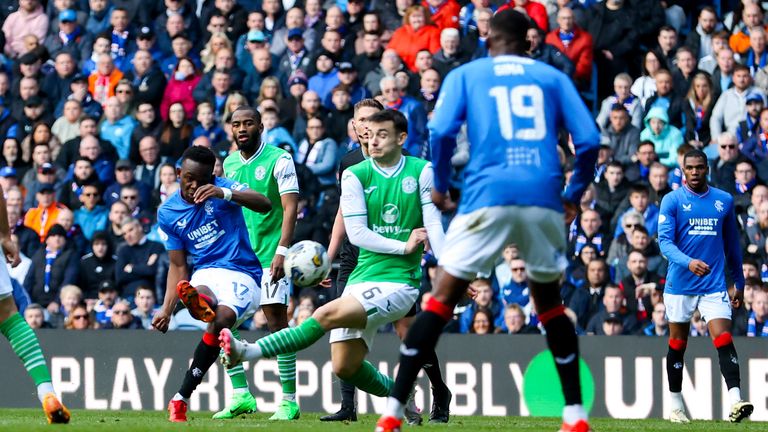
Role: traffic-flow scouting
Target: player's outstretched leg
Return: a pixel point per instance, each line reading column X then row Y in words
column 419, row 343
column 277, row 319
column 564, row 345
column 242, row 401
column 199, row 304
column 25, row 344
column 729, row 368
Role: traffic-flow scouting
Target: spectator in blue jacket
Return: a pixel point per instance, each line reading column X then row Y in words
column 659, row 325
column 318, row 153
column 326, row 78
column 483, row 299
column 117, row 127
column 91, row 216
column 516, row 291
column 273, row 133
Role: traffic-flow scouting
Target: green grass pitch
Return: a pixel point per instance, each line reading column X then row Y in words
column 154, row 421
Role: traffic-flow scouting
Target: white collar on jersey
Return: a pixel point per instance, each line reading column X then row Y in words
column 255, row 155
column 388, row 172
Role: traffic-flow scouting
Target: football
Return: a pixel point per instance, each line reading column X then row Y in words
column 307, row 263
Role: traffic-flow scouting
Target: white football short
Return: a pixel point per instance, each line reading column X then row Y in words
column 384, row 302
column 274, row 293
column 6, row 289
column 680, row 307
column 236, row 290
column 475, row 240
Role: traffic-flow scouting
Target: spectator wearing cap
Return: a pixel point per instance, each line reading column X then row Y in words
column 8, row 178
column 448, row 57
column 180, row 86
column 53, row 266
column 294, row 19
column 730, row 108
column 78, row 90
column 28, row 19
column 348, row 76
column 370, row 58
column 417, row 33
column 137, row 259
column 71, row 37
column 326, row 78
column 103, row 80
column 96, row 266
column 296, row 57
column 146, row 39
column 445, row 13
column 42, row 170
column 117, row 127
column 43, row 217
column 750, row 125
column 253, row 40
column 147, row 80
column 575, row 43
column 394, row 99
column 124, row 176
column 613, row 300
column 108, row 296
column 181, row 47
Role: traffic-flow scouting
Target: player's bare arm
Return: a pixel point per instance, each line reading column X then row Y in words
column 247, row 198
column 177, row 271
column 290, row 203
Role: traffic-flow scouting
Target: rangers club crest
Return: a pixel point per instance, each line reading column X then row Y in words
column 260, row 173
column 209, row 208
column 719, row 206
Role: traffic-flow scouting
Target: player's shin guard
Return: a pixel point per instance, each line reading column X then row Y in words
column 290, row 340
column 418, row 344
column 206, row 353
column 564, row 345
column 370, row 380
column 729, row 360
column 675, row 364
column 237, row 373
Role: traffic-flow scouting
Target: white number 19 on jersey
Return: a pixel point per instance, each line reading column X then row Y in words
column 513, row 102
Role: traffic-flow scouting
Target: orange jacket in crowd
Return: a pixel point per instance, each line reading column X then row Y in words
column 579, row 51
column 446, row 15
column 408, row 43
column 739, row 41
column 42, row 219
column 102, row 87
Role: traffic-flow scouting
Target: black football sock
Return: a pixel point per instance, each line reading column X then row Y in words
column 206, row 353
column 418, row 344
column 432, row 369
column 729, row 360
column 564, row 345
column 347, row 395
column 675, row 364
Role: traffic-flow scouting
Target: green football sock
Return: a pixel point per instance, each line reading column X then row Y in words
column 290, row 340
column 25, row 344
column 287, row 366
column 237, row 373
column 370, row 380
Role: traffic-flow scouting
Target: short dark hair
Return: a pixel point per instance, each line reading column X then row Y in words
column 511, row 27
column 642, row 229
column 370, row 103
column 684, row 148
column 615, row 164
column 396, row 117
column 83, row 159
column 639, row 188
column 695, row 153
column 619, row 107
column 646, row 143
column 740, row 67
column 256, row 113
column 201, row 155
column 667, row 28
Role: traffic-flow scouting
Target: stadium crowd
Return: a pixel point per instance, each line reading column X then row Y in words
column 99, row 98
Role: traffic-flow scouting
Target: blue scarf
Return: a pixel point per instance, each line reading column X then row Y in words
column 66, row 39
column 744, row 188
column 752, row 327
column 566, row 37
column 119, row 41
column 700, row 117
column 50, row 257
column 751, row 61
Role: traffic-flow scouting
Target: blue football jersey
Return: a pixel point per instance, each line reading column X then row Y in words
column 212, row 233
column 703, row 227
column 513, row 107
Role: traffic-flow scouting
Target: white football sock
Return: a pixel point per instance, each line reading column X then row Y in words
column 734, row 394
column 677, row 401
column 574, row 413
column 394, row 408
column 43, row 389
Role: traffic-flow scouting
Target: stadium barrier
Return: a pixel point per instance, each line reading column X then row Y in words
column 135, row 370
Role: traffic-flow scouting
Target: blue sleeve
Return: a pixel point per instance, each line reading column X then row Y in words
column 465, row 319
column 733, row 248
column 667, row 228
column 619, row 226
column 450, row 113
column 170, row 240
column 586, row 138
column 327, row 162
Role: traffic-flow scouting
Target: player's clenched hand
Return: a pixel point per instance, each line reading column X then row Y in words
column 161, row 321
column 443, row 201
column 737, row 297
column 276, row 268
column 207, row 191
column 10, row 251
column 417, row 237
column 698, row 267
